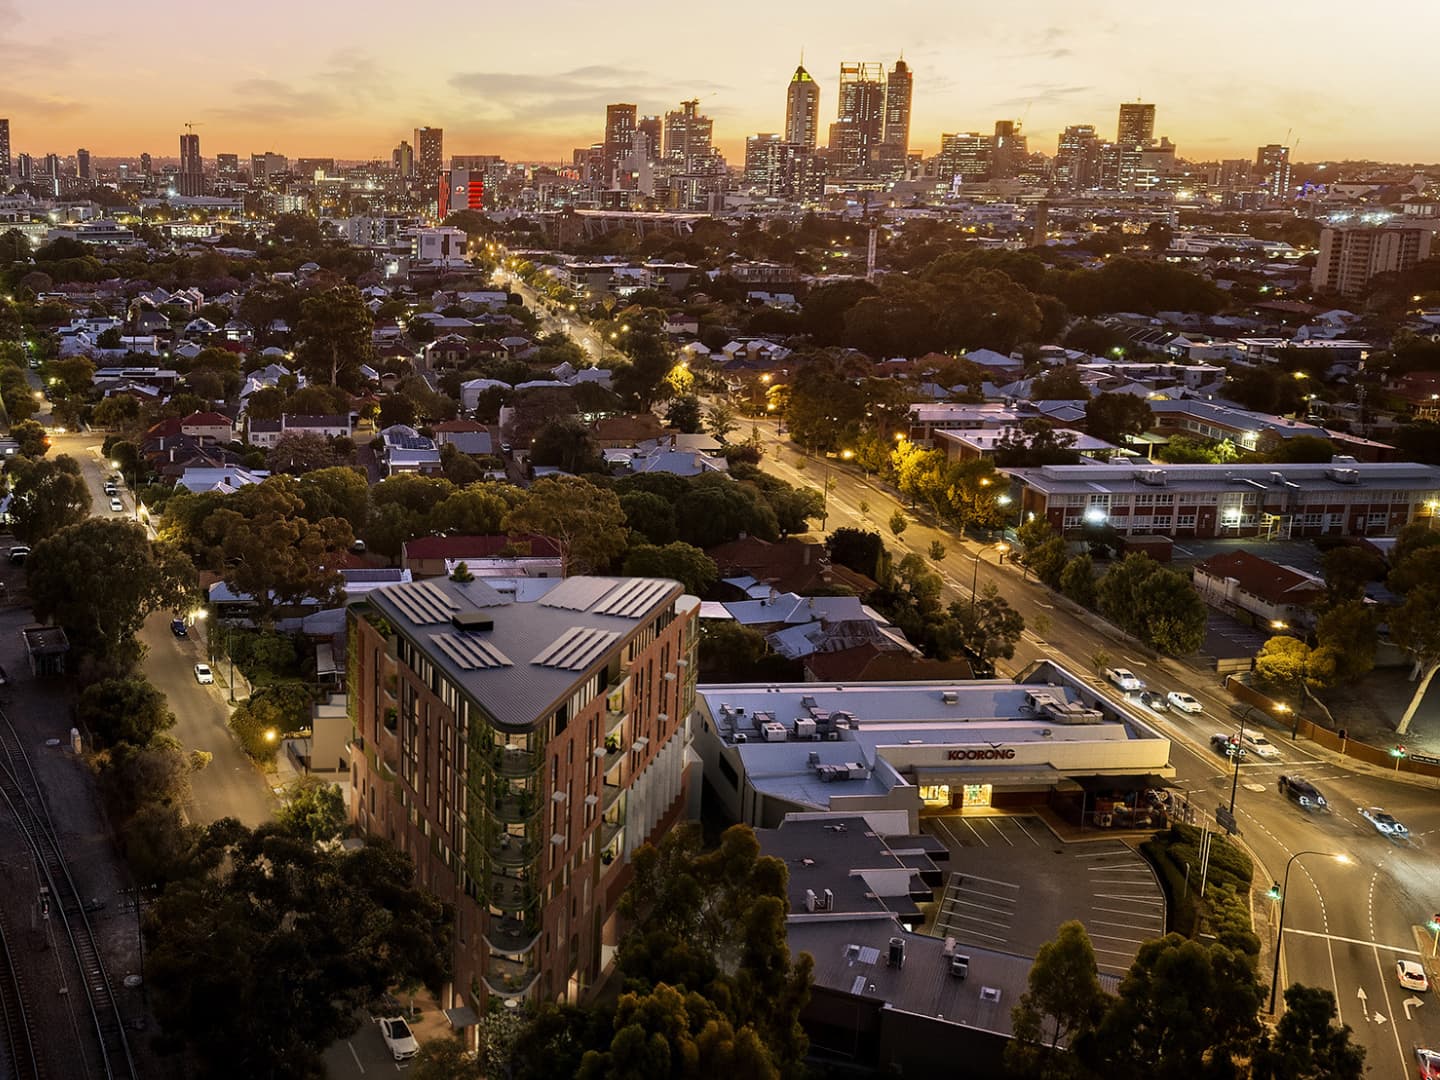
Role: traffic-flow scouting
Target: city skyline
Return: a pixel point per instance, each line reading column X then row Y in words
column 323, row 89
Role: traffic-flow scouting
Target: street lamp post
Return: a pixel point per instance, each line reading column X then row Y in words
column 1239, row 750
column 1284, row 888
column 975, row 580
column 825, row 489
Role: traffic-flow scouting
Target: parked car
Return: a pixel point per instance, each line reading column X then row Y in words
column 1228, row 745
column 1184, row 702
column 19, row 554
column 1384, row 824
column 1125, row 679
column 110, row 488
column 399, row 1039
column 1411, row 975
column 203, row 675
column 1155, row 700
column 116, row 506
column 177, row 627
column 1261, row 745
column 1303, row 792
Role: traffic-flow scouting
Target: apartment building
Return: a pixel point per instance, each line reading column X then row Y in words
column 1351, row 255
column 520, row 752
column 1343, row 498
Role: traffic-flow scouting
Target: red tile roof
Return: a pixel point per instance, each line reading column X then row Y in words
column 1260, row 577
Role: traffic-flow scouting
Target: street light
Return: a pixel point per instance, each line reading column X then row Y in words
column 825, row 489
column 1284, row 888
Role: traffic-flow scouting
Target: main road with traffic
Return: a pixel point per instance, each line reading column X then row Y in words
column 1346, row 922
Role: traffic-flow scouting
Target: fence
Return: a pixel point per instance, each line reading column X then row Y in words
column 1418, row 764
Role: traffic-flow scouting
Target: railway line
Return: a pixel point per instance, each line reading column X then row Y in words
column 108, row 1054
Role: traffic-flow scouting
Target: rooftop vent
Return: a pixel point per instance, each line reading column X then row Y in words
column 1343, row 476
column 1151, row 477
column 897, row 953
column 474, row 622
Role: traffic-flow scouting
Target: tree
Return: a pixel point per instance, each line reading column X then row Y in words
column 1302, row 448
column 1307, row 1043
column 642, row 380
column 716, row 510
column 1290, row 666
column 474, row 511
column 322, row 932
column 342, row 491
column 300, row 454
column 1113, row 417
column 445, row 1059
column 650, row 516
column 898, row 522
column 1065, row 1002
column 713, row 922
column 29, row 434
column 1059, row 384
column 937, row 551
column 584, row 520
column 46, row 496
column 1347, row 632
column 314, row 809
column 1348, row 570
column 730, row 649
column 1077, row 580
column 684, row 413
column 681, row 562
column 1157, row 605
column 130, row 710
column 991, row 627
column 861, row 551
column 333, row 336
column 116, row 412
column 271, row 710
column 139, row 577
column 1184, row 1009
column 568, row 444
column 1414, row 627
column 720, row 420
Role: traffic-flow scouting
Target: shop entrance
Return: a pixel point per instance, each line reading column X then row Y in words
column 975, row 796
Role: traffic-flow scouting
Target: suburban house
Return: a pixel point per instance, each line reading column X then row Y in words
column 266, row 433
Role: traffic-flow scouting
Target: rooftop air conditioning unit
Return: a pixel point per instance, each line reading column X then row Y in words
column 950, row 697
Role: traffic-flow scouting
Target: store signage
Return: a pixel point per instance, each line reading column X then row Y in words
column 994, row 753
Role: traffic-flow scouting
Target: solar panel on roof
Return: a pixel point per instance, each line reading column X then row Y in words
column 576, row 649
column 422, row 602
column 577, row 593
column 470, row 653
column 632, row 598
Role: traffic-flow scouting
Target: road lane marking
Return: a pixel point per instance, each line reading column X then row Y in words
column 1353, row 941
column 992, row 881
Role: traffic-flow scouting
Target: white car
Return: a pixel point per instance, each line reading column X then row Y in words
column 1429, row 1063
column 203, row 675
column 116, row 506
column 1262, row 746
column 1184, row 702
column 399, row 1039
column 1411, row 975
column 1384, row 824
column 1125, row 679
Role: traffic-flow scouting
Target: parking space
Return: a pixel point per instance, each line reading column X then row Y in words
column 1014, row 882
column 362, row 1054
column 1227, row 637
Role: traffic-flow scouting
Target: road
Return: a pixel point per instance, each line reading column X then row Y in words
column 553, row 317
column 1345, row 925
column 231, row 785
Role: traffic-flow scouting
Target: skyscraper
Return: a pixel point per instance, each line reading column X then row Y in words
column 1351, row 255
column 897, row 109
column 146, row 165
column 857, row 132
column 402, row 159
column 1137, row 126
column 687, row 136
column 82, row 164
column 653, row 130
column 1272, row 166
column 802, row 110
column 762, row 161
column 1077, row 157
column 4, row 149
column 429, row 154
column 1007, row 150
column 619, row 137
column 965, row 155
column 191, row 179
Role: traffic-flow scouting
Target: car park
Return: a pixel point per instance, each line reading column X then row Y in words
column 1411, row 975
column 1302, row 791
column 1228, row 745
column 1153, row 699
column 1384, row 824
column 399, row 1039
column 203, row 675
column 177, row 627
column 1262, row 746
column 1184, row 702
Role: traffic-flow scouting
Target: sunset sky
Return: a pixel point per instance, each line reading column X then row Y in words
column 531, row 80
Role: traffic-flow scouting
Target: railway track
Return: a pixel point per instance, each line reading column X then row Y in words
column 19, row 1051
column 20, row 790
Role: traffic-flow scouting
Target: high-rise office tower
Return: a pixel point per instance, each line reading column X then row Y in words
column 227, row 167
column 52, row 166
column 762, row 161
column 898, row 85
column 402, row 159
column 860, row 126
column 4, row 149
column 687, row 136
column 966, row 156
column 82, row 164
column 652, row 128
column 24, row 168
column 520, row 752
column 429, row 154
column 1137, row 126
column 191, row 178
column 1077, row 157
column 802, row 110
column 1272, row 166
column 147, row 166
column 1008, row 149
column 619, row 137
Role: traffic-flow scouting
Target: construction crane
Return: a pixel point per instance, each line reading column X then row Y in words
column 190, row 127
